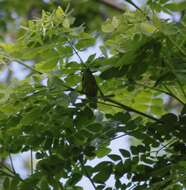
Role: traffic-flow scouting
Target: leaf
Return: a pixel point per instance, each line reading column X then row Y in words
column 103, row 151
column 134, row 150
column 148, row 28
column 124, row 153
column 123, row 117
column 115, row 22
column 31, row 116
column 75, row 178
column 120, row 169
column 14, row 183
column 91, row 58
column 114, row 157
column 95, row 127
column 59, row 12
column 47, row 65
column 44, row 184
column 6, row 183
column 30, row 182
column 101, row 177
column 104, row 165
column 66, row 23
column 84, row 117
column 85, row 43
column 110, row 25
column 183, row 111
column 176, row 6
column 169, row 119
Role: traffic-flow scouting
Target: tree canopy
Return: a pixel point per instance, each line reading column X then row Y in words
column 74, row 101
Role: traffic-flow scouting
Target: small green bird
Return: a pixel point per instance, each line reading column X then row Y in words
column 89, row 87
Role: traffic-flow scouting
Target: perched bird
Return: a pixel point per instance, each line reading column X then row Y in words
column 89, row 87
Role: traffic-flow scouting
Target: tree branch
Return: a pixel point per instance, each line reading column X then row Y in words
column 31, row 162
column 129, row 109
column 12, row 164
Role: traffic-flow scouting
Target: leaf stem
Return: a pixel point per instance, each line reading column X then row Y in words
column 12, row 164
column 169, row 143
column 31, row 161
column 129, row 109
column 174, row 44
column 76, row 52
column 169, row 93
column 134, row 5
column 172, row 95
column 87, row 174
column 6, row 174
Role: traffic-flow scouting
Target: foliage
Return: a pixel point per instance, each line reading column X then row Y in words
column 50, row 112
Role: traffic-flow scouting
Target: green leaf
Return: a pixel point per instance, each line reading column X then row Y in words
column 107, row 28
column 176, row 6
column 103, row 151
column 123, row 117
column 31, row 116
column 14, row 183
column 102, row 176
column 95, row 127
column 47, row 65
column 103, row 166
column 110, row 25
column 169, row 119
column 44, row 184
column 6, row 183
column 84, row 117
column 104, row 170
column 148, row 28
column 59, row 12
column 124, row 153
column 114, row 157
column 75, row 178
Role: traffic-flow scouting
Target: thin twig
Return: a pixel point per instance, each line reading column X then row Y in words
column 7, row 174
column 126, row 134
column 87, row 174
column 12, row 164
column 13, row 174
column 181, row 88
column 169, row 143
column 172, row 70
column 175, row 45
column 7, row 168
column 76, row 52
column 169, row 93
column 129, row 109
column 27, row 66
column 31, row 161
column 21, row 63
column 134, row 5
column 172, row 95
column 120, row 136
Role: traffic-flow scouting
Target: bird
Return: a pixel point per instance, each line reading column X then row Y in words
column 89, row 87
